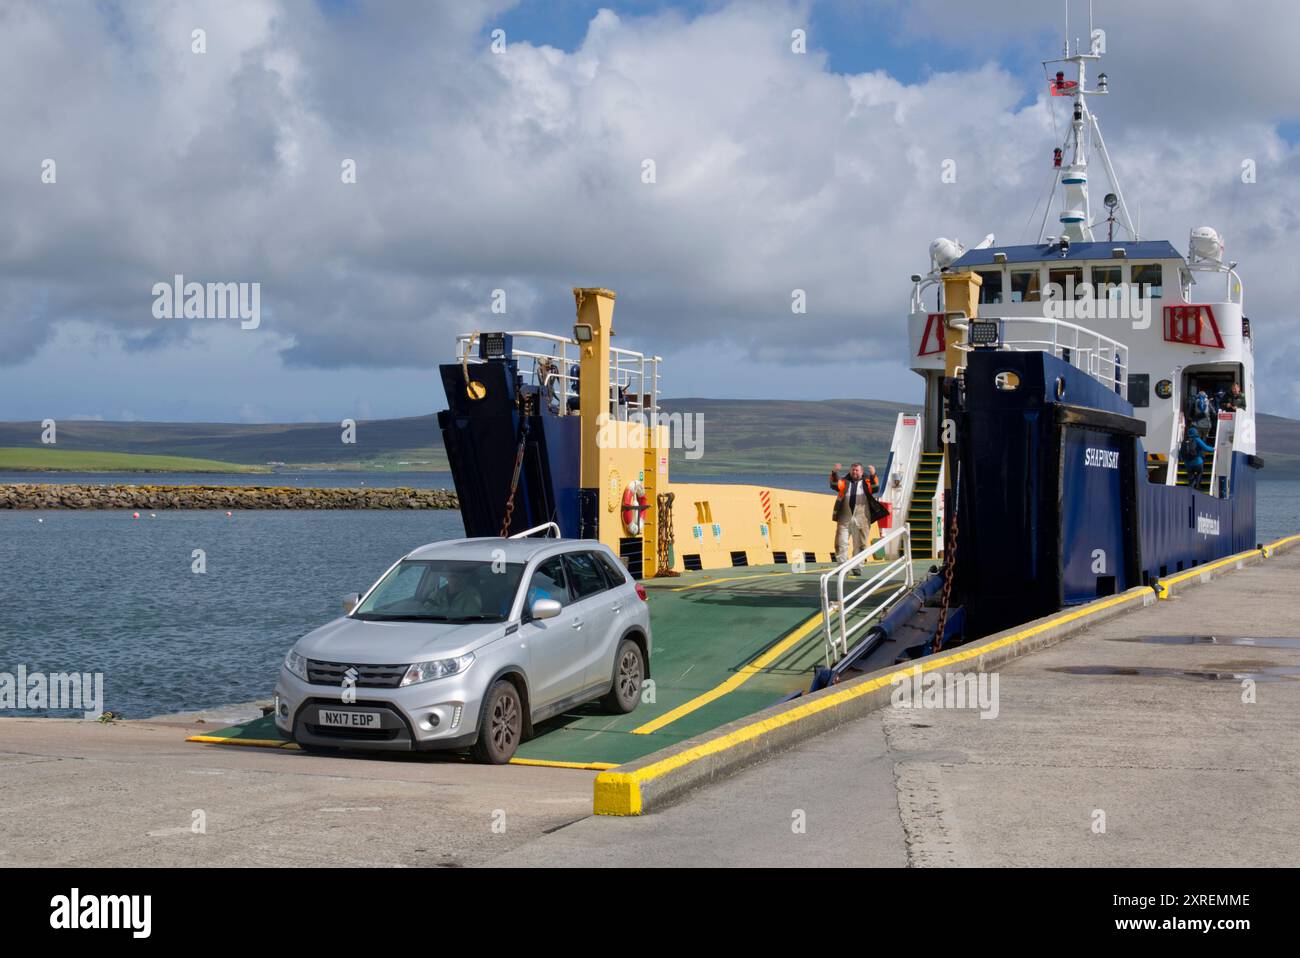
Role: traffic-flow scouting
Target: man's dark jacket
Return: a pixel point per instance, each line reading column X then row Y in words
column 875, row 511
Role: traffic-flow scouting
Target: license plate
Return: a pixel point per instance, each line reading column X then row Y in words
column 349, row 719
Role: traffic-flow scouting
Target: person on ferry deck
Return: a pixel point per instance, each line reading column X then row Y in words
column 1193, row 456
column 873, row 480
column 855, row 510
column 1235, row 400
column 1200, row 412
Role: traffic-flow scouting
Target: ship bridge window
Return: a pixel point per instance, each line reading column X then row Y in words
column 1149, row 280
column 991, row 290
column 1024, row 286
column 1107, row 282
column 1065, row 283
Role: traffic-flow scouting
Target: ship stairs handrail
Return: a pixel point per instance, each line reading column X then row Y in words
column 634, row 377
column 839, row 623
column 1102, row 358
column 900, row 496
column 545, row 526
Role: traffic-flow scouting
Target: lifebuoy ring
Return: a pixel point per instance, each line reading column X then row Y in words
column 634, row 508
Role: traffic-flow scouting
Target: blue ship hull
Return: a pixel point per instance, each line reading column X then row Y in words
column 1053, row 504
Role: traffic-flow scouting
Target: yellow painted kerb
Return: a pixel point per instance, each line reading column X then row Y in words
column 1162, row 585
column 619, row 793
column 253, row 742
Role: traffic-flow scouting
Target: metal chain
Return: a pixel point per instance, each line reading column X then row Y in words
column 950, row 563
column 519, row 462
column 665, row 500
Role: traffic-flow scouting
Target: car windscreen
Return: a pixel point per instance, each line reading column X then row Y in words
column 443, row 590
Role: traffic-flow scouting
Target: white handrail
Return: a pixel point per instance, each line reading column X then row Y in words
column 545, row 525
column 627, row 368
column 909, row 466
column 835, row 611
column 1102, row 358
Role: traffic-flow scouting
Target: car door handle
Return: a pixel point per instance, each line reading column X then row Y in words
column 576, row 624
column 617, row 608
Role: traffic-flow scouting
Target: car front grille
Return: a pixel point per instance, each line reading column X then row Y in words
column 355, row 734
column 367, row 676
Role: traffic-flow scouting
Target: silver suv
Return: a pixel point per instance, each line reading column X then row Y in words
column 469, row 644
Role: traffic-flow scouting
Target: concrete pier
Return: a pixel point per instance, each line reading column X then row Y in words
column 1174, row 767
column 1106, row 750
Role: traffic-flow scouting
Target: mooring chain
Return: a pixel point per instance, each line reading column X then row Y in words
column 519, row 463
column 665, row 533
column 950, row 563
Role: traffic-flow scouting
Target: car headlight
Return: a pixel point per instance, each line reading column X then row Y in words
column 296, row 664
column 437, row 669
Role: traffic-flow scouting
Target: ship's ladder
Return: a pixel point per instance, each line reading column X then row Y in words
column 1206, row 475
column 920, row 511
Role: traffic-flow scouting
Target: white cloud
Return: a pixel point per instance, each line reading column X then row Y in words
column 523, row 172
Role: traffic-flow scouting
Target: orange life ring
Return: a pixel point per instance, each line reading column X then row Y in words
column 634, row 508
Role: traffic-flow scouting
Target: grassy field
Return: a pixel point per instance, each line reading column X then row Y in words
column 72, row 460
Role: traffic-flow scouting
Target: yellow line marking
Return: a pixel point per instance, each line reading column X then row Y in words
column 619, row 793
column 743, row 675
column 732, row 578
column 255, row 742
column 589, row 766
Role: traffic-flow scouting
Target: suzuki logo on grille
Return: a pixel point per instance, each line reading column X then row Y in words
column 349, row 677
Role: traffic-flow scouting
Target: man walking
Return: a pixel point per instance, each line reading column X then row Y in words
column 855, row 509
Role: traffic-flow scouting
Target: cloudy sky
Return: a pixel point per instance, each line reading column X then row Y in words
column 521, row 170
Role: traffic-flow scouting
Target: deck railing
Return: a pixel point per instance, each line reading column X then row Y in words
column 841, row 619
column 1102, row 358
column 634, row 377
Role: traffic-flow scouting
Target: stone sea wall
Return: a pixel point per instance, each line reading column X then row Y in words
column 61, row 496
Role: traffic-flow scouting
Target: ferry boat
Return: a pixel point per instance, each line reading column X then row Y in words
column 1061, row 379
column 1044, row 470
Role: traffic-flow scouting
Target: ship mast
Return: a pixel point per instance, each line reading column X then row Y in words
column 1075, row 214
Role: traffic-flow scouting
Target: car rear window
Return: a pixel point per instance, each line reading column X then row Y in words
column 614, row 573
column 584, row 574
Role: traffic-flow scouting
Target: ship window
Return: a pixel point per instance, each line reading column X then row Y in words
column 1024, row 286
column 1065, row 283
column 1149, row 274
column 1106, row 282
column 991, row 290
column 1139, row 389
column 1006, row 380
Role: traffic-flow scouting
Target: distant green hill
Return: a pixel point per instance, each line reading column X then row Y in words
column 46, row 458
column 787, row 435
column 740, row 435
column 380, row 443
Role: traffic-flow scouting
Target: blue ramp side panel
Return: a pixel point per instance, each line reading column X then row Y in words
column 481, row 437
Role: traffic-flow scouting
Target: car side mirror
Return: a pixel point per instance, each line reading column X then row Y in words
column 350, row 602
column 545, row 609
